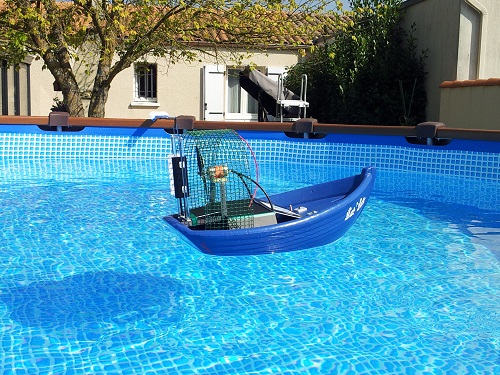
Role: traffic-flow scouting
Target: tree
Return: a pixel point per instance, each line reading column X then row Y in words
column 113, row 34
column 369, row 72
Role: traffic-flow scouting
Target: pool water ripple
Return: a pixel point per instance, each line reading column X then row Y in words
column 93, row 281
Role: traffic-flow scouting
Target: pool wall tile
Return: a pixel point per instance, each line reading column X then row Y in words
column 469, row 164
column 25, row 145
column 466, row 164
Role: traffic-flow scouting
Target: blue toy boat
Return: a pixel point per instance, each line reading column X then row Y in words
column 295, row 220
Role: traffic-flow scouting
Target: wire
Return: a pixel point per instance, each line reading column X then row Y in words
column 256, row 172
column 241, row 175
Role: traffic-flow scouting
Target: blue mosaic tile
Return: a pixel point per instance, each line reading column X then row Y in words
column 467, row 164
column 92, row 281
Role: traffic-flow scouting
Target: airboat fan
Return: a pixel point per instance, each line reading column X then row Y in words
column 214, row 177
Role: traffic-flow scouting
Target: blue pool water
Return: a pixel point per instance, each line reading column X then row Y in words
column 93, row 281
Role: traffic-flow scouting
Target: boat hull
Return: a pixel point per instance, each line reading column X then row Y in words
column 331, row 209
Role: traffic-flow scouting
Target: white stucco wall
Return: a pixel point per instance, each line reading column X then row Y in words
column 471, row 104
column 469, row 43
column 42, row 89
column 489, row 51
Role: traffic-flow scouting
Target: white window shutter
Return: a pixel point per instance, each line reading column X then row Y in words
column 213, row 92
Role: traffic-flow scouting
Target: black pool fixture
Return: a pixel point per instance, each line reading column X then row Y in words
column 426, row 134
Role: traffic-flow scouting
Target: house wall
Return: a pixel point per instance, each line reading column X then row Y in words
column 471, row 104
column 437, row 32
column 461, row 37
column 469, row 43
column 42, row 90
column 180, row 87
column 490, row 53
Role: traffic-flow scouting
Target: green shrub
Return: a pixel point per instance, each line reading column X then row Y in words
column 369, row 72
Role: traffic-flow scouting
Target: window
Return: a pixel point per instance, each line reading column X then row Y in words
column 145, row 83
column 223, row 97
column 238, row 100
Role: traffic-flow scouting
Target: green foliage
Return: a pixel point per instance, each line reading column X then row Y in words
column 114, row 34
column 369, row 73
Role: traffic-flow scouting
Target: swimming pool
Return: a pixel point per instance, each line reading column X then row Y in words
column 93, row 281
